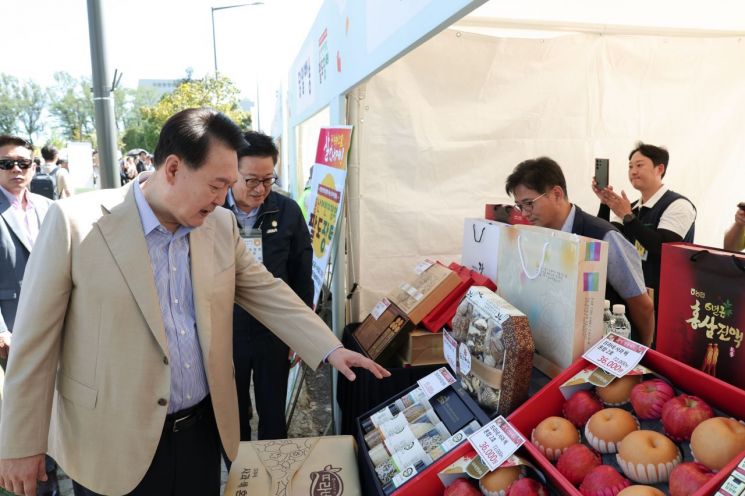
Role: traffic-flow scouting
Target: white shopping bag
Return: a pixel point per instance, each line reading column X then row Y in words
column 481, row 246
column 558, row 280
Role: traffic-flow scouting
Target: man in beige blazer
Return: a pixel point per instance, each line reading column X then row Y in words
column 126, row 342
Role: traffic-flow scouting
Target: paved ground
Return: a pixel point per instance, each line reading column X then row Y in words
column 312, row 415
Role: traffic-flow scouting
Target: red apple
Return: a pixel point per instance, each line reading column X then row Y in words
column 526, row 487
column 603, row 480
column 580, row 407
column 687, row 478
column 682, row 414
column 461, row 487
column 576, row 462
column 649, row 397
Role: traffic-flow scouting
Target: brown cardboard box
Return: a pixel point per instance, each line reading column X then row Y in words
column 313, row 466
column 382, row 337
column 420, row 294
column 423, row 348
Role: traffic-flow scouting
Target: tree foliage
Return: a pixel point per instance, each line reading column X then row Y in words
column 65, row 111
column 72, row 105
column 217, row 92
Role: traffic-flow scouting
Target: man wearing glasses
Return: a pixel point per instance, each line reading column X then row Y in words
column 21, row 215
column 540, row 192
column 274, row 230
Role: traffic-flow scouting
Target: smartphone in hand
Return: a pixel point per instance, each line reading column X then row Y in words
column 601, row 172
column 741, row 206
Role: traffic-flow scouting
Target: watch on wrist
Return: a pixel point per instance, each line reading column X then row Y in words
column 628, row 218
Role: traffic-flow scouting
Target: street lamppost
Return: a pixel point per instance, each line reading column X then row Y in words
column 213, row 9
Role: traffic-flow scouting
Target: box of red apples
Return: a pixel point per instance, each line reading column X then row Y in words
column 643, row 429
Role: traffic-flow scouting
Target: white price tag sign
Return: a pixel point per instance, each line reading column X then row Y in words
column 464, row 356
column 615, row 354
column 380, row 308
column 450, row 350
column 436, row 382
column 422, row 266
column 496, row 442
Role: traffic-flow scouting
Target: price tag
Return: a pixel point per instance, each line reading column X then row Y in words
column 615, row 354
column 450, row 350
column 496, row 442
column 422, row 266
column 436, row 382
column 464, row 356
column 380, row 308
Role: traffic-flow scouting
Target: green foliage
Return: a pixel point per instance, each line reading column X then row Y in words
column 8, row 104
column 32, row 100
column 72, row 105
column 217, row 92
column 139, row 113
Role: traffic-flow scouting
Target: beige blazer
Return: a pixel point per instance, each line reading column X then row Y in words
column 89, row 345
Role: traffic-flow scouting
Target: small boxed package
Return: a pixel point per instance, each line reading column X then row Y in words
column 382, row 334
column 421, row 293
column 443, row 313
column 495, row 350
column 423, row 348
column 295, row 467
column 405, row 435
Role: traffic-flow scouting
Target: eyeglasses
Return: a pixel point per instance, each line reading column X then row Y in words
column 252, row 182
column 528, row 204
column 9, row 163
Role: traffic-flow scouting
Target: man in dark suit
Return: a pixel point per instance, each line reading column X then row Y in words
column 273, row 227
column 21, row 215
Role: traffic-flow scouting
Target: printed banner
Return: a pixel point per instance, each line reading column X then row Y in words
column 327, row 194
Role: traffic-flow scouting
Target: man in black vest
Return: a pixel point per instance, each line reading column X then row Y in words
column 275, row 231
column 540, row 192
column 660, row 216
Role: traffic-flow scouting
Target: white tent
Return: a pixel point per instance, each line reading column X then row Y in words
column 438, row 130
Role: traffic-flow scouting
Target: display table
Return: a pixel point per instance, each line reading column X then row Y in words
column 355, row 398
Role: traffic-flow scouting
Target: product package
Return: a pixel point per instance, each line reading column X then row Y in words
column 495, row 350
column 295, row 467
column 382, row 334
column 558, row 280
column 400, row 446
column 423, row 291
column 701, row 315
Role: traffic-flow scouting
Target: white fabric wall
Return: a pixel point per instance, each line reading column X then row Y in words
column 439, row 131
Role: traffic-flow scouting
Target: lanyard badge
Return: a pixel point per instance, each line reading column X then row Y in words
column 252, row 239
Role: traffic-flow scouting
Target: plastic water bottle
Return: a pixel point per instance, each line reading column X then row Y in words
column 607, row 319
column 621, row 324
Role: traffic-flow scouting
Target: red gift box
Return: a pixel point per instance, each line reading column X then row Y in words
column 444, row 312
column 549, row 400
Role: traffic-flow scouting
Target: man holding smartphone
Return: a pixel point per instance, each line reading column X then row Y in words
column 734, row 238
column 659, row 216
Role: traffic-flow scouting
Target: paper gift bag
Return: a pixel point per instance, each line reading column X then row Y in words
column 314, row 466
column 558, row 280
column 701, row 315
column 481, row 246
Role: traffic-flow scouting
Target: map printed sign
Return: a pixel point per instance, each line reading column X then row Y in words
column 327, row 193
column 615, row 354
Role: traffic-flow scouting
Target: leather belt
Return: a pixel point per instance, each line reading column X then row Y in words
column 188, row 417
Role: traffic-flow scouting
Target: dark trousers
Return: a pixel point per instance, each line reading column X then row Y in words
column 186, row 462
column 263, row 357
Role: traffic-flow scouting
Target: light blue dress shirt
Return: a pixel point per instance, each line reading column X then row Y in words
column 625, row 273
column 170, row 261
